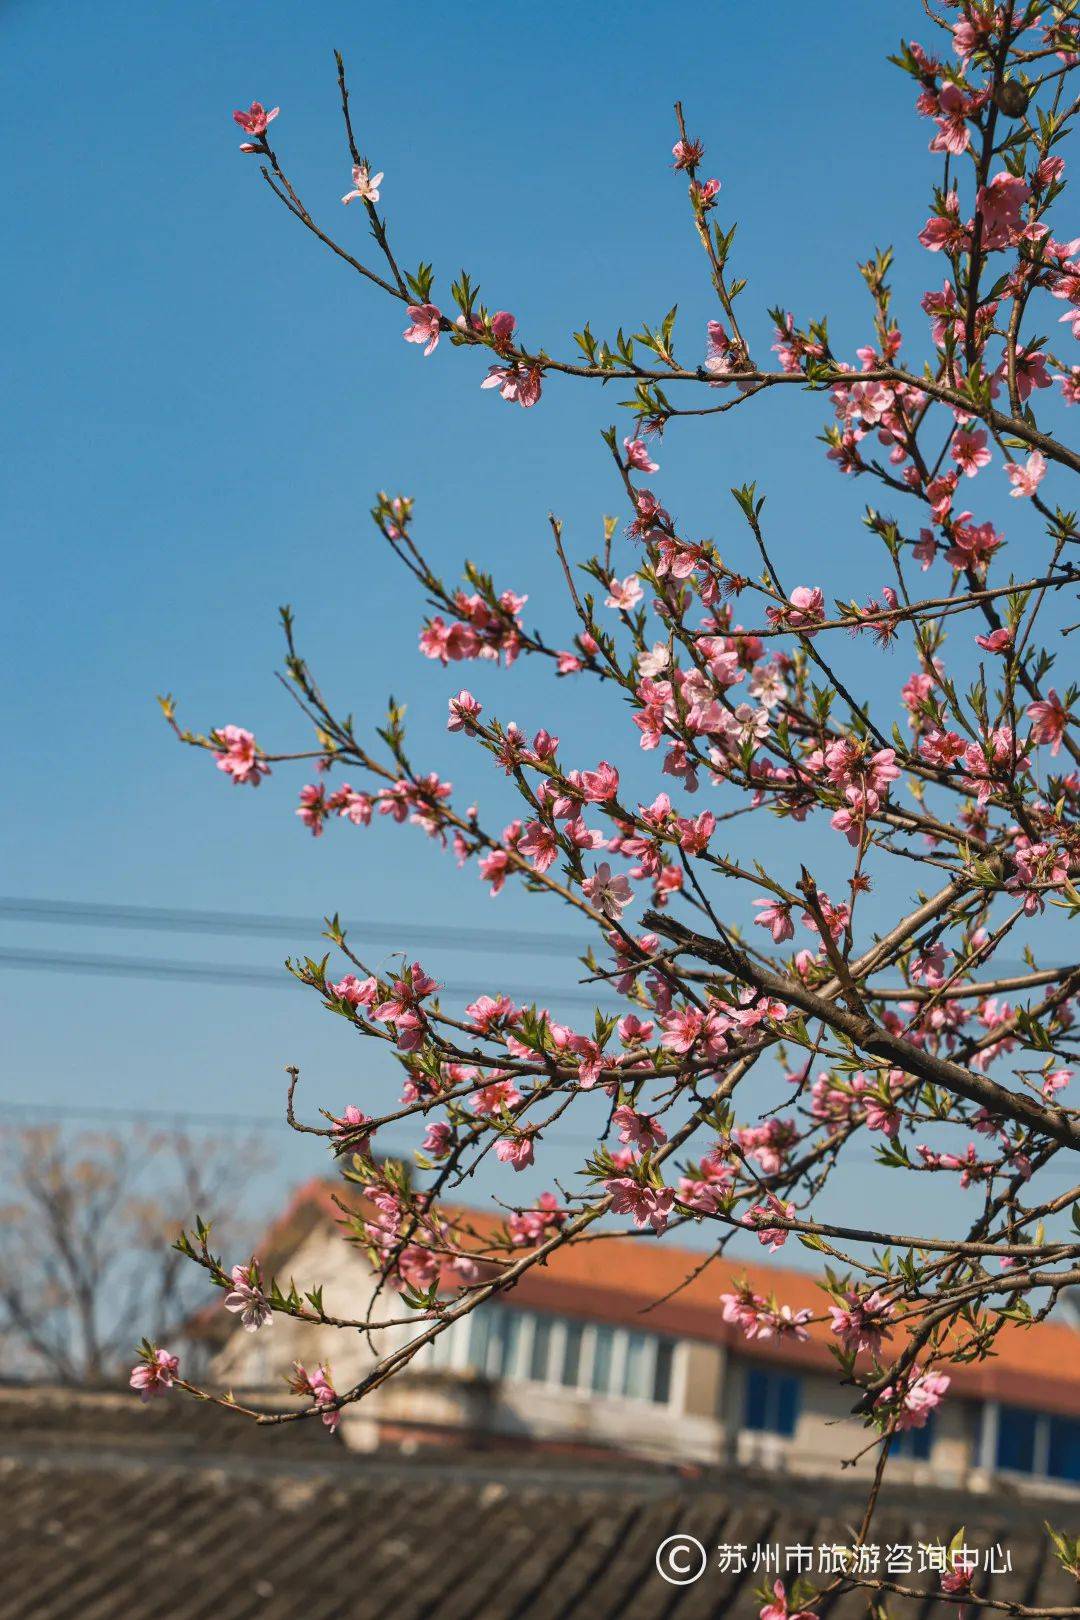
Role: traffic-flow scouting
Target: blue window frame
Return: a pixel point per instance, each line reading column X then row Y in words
column 1016, row 1439
column 665, row 1354
column 1031, row 1442
column 1064, row 1448
column 772, row 1401
column 916, row 1443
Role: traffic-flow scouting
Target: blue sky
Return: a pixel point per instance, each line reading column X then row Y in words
column 206, row 403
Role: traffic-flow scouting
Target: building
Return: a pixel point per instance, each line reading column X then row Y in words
column 620, row 1344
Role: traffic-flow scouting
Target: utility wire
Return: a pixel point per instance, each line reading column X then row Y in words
column 223, row 974
column 180, row 920
column 183, row 920
column 59, row 1113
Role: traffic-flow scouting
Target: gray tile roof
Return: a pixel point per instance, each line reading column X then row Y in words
column 112, row 1511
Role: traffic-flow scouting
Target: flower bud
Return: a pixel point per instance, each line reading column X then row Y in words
column 1011, row 97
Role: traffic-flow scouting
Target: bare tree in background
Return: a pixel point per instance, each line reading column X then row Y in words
column 87, row 1225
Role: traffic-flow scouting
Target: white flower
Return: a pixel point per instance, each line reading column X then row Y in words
column 651, row 663
column 366, row 185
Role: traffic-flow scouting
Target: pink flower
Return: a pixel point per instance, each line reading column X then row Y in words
column 1070, row 385
column 687, row 154
column 997, row 641
column 357, row 992
column 1055, row 1082
column 502, row 328
column 312, row 808
column 240, row 758
column 365, row 186
column 425, row 326
column 807, row 607
column 255, row 120
column 495, row 868
column 688, row 1027
column 155, row 1374
column 694, row 835
column 412, row 987
column 959, row 1577
column 518, row 384
column 494, row 1097
column 637, row 457
column 772, row 1237
column 1025, row 480
column 633, row 1030
column 608, row 893
column 744, row 1309
column 969, row 451
column 600, row 785
column 540, row 844
column 487, row 1011
column 647, row 1206
column 944, row 231
column 862, row 1323
column 1000, row 203
column 515, row 1150
column 351, row 1127
column 953, row 135
column 464, row 712
column 321, row 1390
column 778, row 1609
column 782, row 1322
column 248, row 1300
column 1050, row 719
column 624, row 593
column 641, row 1130
column 352, row 806
column 1031, row 372
column 776, row 917
column 533, row 1225
column 437, row 1140
column 918, row 1399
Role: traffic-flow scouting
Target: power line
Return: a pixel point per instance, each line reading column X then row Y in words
column 223, row 974
column 182, row 920
column 134, row 967
column 58, row 1113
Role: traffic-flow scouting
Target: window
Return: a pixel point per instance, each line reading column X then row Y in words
column 636, row 1367
column 603, row 1349
column 772, row 1401
column 609, row 1361
column 442, row 1348
column 1064, row 1448
column 1016, row 1439
column 665, row 1353
column 915, row 1443
column 479, row 1337
column 540, row 1355
column 571, row 1366
column 503, row 1343
column 1038, row 1443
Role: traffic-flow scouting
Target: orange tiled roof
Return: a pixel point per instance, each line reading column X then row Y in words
column 658, row 1287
